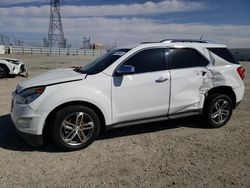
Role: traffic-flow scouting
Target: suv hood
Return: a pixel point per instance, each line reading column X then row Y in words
column 10, row 60
column 56, row 76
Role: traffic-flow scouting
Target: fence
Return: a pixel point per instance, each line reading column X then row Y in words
column 54, row 51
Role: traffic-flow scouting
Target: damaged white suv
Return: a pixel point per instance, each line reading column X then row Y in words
column 144, row 83
column 11, row 67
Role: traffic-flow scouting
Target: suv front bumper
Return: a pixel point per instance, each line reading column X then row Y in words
column 28, row 123
column 34, row 140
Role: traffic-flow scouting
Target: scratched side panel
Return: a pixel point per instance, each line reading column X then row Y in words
column 225, row 73
column 188, row 88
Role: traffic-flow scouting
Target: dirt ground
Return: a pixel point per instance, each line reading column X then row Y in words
column 177, row 153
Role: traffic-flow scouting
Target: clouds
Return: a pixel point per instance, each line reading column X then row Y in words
column 17, row 2
column 132, row 30
column 126, row 31
column 123, row 24
column 132, row 9
column 148, row 7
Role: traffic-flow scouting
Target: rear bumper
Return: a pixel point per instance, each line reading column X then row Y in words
column 239, row 93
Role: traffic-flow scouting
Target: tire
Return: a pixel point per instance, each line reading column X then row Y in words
column 75, row 127
column 3, row 72
column 218, row 110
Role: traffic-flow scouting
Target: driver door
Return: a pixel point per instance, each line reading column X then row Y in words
column 144, row 94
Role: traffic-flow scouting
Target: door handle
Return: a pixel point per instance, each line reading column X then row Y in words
column 202, row 73
column 161, row 79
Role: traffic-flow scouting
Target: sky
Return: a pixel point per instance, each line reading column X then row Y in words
column 128, row 22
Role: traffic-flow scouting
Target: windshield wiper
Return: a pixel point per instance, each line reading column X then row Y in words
column 78, row 69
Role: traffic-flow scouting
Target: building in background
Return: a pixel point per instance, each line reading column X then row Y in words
column 2, row 51
column 86, row 43
column 97, row 46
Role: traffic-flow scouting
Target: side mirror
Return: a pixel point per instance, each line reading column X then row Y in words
column 125, row 69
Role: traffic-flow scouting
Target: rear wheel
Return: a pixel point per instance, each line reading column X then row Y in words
column 218, row 110
column 75, row 127
column 3, row 72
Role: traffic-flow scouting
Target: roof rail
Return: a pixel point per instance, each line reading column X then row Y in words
column 184, row 40
column 147, row 42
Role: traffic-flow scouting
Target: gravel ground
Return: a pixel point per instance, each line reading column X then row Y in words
column 173, row 153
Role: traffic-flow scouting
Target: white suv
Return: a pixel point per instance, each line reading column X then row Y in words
column 11, row 67
column 144, row 83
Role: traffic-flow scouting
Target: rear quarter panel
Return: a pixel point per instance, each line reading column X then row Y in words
column 227, row 75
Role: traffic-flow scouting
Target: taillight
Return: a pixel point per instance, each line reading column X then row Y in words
column 241, row 72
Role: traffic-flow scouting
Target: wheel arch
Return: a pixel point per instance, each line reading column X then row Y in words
column 6, row 67
column 226, row 90
column 48, row 120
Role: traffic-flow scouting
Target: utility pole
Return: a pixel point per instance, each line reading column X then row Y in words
column 55, row 33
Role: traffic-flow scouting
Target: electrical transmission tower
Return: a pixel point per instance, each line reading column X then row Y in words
column 55, row 33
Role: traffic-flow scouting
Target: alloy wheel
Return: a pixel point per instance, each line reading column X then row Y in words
column 77, row 128
column 220, row 111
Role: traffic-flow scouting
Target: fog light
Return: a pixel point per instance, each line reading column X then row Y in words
column 24, row 122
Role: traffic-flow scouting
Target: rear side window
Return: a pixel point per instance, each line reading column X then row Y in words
column 186, row 58
column 149, row 60
column 224, row 54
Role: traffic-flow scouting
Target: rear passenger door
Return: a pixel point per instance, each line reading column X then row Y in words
column 189, row 80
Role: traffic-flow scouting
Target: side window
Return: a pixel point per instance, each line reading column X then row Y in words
column 186, row 58
column 224, row 54
column 147, row 60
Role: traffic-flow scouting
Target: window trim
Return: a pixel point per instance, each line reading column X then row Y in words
column 169, row 59
column 166, row 66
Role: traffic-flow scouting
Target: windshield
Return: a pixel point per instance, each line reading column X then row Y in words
column 101, row 63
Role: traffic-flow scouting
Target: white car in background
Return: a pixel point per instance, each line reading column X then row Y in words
column 145, row 83
column 11, row 67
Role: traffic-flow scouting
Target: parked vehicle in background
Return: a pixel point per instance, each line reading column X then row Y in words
column 11, row 67
column 145, row 83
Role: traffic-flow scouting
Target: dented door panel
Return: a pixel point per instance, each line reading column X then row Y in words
column 188, row 88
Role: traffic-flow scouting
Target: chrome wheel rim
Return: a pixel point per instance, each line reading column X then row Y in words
column 77, row 128
column 220, row 111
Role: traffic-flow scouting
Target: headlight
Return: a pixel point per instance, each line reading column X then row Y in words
column 29, row 95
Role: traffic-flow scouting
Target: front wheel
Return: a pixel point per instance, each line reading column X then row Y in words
column 75, row 127
column 218, row 110
column 3, row 72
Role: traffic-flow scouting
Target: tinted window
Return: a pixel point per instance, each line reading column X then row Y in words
column 185, row 58
column 103, row 62
column 147, row 60
column 224, row 54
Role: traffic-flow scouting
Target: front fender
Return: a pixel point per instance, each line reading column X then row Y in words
column 7, row 65
column 57, row 95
